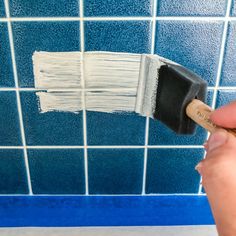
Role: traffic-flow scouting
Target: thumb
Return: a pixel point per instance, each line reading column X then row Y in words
column 221, row 140
column 220, row 148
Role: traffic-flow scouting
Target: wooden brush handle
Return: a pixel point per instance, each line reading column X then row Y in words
column 200, row 113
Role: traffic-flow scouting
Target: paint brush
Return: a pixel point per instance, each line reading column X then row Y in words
column 149, row 85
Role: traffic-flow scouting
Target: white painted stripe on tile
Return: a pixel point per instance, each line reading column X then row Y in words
column 18, row 97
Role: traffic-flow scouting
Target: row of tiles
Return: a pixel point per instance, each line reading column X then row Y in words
column 26, row 8
column 110, row 171
column 194, row 44
column 60, row 128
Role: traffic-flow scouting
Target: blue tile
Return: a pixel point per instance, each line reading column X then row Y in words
column 233, row 10
column 191, row 8
column 118, row 8
column 12, row 172
column 229, row 69
column 46, row 36
column 57, row 171
column 118, row 36
column 172, row 170
column 50, row 128
column 195, row 45
column 159, row 134
column 28, row 8
column 6, row 73
column 9, row 123
column 2, row 8
column 225, row 96
column 115, row 171
column 115, row 129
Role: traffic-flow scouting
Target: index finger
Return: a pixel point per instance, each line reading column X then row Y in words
column 225, row 116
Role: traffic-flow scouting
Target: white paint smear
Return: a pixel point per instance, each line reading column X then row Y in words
column 114, row 82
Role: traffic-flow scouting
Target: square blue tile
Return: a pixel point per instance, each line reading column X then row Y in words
column 6, row 72
column 172, row 170
column 12, row 172
column 191, row 7
column 50, row 128
column 159, row 134
column 115, row 129
column 47, row 36
column 117, row 7
column 228, row 76
column 233, row 9
column 118, row 36
column 9, row 123
column 225, row 96
column 49, row 8
column 2, row 8
column 57, row 171
column 195, row 45
column 115, row 171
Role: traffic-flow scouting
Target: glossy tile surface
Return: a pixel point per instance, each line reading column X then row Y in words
column 117, row 8
column 6, row 71
column 42, row 36
column 233, row 9
column 228, row 77
column 28, row 8
column 225, row 96
column 12, row 172
column 63, row 146
column 194, row 44
column 118, row 36
column 2, row 8
column 115, row 171
column 191, row 8
column 115, row 129
column 51, row 128
column 9, row 120
column 172, row 170
column 57, row 171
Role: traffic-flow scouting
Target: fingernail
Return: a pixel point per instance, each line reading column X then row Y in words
column 198, row 167
column 217, row 139
column 205, row 145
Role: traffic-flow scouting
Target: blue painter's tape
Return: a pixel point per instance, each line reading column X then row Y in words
column 104, row 211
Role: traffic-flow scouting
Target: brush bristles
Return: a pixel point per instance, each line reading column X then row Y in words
column 114, row 82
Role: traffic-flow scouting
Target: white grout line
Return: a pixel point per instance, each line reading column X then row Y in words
column 147, row 118
column 118, row 18
column 114, row 18
column 220, row 66
column 96, row 89
column 83, row 99
column 18, row 96
column 11, row 147
column 222, row 51
column 108, row 147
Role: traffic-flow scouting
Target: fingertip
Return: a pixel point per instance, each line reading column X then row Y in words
column 225, row 116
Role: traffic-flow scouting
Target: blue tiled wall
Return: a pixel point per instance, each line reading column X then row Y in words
column 99, row 153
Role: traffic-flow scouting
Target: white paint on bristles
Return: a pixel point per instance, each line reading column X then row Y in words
column 114, row 82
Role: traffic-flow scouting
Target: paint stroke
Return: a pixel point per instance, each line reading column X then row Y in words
column 114, row 82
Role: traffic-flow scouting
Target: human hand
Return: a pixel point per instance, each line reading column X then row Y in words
column 218, row 171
